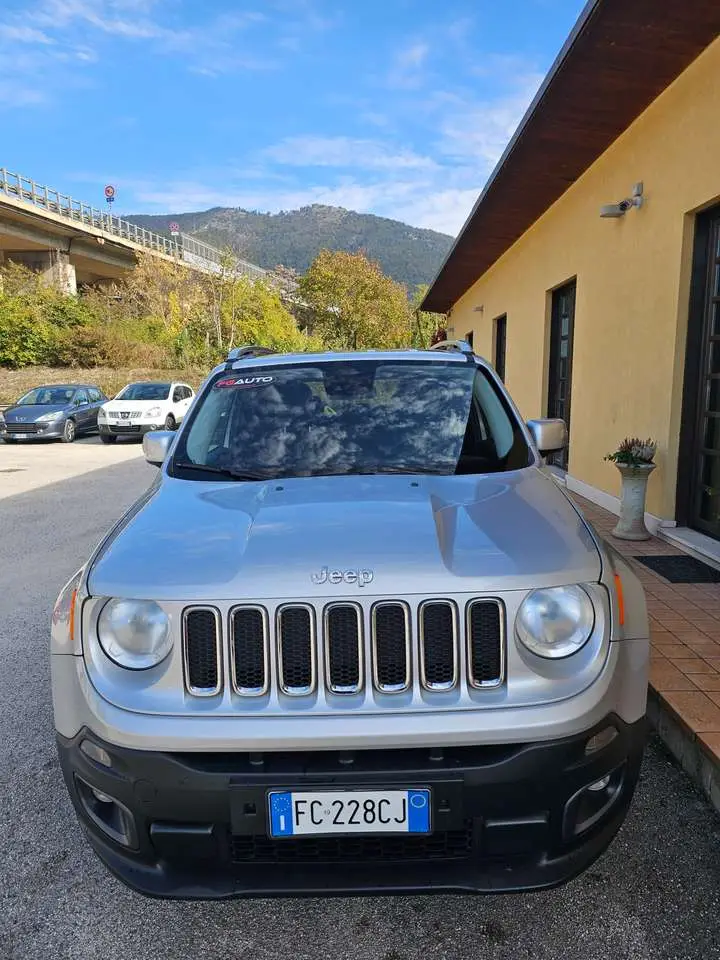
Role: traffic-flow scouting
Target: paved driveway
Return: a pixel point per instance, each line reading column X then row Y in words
column 655, row 894
column 29, row 465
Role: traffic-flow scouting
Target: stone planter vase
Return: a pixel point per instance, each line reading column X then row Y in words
column 631, row 525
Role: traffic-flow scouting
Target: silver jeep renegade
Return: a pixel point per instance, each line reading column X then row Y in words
column 354, row 638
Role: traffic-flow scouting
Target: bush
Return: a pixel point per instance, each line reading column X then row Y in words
column 24, row 335
column 99, row 346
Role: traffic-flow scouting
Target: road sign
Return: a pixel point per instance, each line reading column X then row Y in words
column 174, row 229
column 109, row 192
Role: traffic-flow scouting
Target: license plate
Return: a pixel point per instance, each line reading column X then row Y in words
column 295, row 814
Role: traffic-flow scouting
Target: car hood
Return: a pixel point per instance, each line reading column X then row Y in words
column 195, row 540
column 30, row 412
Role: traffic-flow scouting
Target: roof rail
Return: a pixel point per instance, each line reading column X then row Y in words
column 461, row 346
column 247, row 351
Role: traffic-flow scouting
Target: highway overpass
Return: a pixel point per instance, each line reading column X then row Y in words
column 73, row 243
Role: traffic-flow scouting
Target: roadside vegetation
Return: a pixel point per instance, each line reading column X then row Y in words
column 165, row 320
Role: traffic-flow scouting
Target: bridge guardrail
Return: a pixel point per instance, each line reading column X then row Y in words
column 187, row 248
column 23, row 188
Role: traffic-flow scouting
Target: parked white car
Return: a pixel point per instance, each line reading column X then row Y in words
column 141, row 407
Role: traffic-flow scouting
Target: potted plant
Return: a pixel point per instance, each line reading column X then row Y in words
column 634, row 459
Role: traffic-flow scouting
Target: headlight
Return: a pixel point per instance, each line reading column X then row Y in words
column 153, row 412
column 51, row 416
column 555, row 622
column 2, row 418
column 101, row 414
column 134, row 633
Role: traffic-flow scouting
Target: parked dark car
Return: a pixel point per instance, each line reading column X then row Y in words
column 57, row 411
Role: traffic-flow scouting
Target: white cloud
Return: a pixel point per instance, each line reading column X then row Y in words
column 18, row 33
column 344, row 152
column 413, row 56
column 479, row 132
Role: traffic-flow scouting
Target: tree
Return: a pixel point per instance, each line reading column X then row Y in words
column 352, row 305
column 427, row 327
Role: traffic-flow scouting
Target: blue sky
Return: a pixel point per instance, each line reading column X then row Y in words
column 394, row 107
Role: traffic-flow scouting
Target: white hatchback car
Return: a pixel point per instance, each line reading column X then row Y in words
column 141, row 407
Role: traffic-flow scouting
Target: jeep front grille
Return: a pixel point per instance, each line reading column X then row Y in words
column 438, row 644
column 486, row 643
column 391, row 647
column 249, row 651
column 343, row 647
column 299, row 649
column 296, row 650
column 201, row 648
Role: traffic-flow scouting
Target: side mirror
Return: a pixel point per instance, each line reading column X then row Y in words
column 156, row 445
column 550, row 436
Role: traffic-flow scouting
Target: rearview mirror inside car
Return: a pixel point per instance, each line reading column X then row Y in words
column 156, row 445
column 550, row 435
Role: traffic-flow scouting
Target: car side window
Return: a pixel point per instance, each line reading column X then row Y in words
column 81, row 397
column 177, row 394
column 94, row 395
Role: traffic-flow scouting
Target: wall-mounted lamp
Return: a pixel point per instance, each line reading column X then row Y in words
column 615, row 210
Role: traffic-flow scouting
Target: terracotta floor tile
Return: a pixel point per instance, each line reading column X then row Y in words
column 702, row 621
column 693, row 665
column 696, row 710
column 704, row 648
column 664, row 676
column 682, row 630
column 714, row 662
column 712, row 742
column 656, row 655
column 673, row 649
column 709, row 682
column 715, row 697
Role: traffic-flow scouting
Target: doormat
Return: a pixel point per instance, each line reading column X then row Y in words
column 681, row 569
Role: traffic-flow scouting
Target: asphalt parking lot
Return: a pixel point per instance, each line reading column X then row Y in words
column 655, row 894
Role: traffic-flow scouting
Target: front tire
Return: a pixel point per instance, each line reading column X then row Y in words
column 69, row 432
column 170, row 423
column 107, row 438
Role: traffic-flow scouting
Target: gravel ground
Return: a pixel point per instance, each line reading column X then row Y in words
column 655, row 894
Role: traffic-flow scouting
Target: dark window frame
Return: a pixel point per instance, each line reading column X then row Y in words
column 500, row 345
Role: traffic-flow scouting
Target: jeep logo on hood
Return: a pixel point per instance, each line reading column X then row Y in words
column 360, row 577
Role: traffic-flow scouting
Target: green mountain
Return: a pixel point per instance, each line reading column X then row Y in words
column 407, row 254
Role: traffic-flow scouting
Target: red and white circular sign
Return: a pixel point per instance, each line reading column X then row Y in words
column 109, row 191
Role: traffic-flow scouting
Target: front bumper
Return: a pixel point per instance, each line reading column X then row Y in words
column 506, row 817
column 52, row 430
column 130, row 429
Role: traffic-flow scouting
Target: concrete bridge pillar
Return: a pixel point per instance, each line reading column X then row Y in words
column 53, row 266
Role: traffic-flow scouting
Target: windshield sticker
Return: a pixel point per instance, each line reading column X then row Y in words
column 244, row 382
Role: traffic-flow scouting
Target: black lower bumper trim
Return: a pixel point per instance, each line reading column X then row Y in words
column 510, row 818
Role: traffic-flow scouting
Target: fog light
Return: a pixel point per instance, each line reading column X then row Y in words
column 104, row 798
column 96, row 753
column 600, row 740
column 600, row 784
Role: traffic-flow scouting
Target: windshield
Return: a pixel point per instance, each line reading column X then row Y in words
column 345, row 417
column 144, row 391
column 47, row 397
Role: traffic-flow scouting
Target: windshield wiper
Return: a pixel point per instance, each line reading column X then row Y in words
column 222, row 471
column 380, row 468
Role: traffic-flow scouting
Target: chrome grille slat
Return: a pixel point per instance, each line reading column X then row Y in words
column 202, row 651
column 297, row 656
column 391, row 660
column 438, row 644
column 485, row 631
column 249, row 651
column 343, row 645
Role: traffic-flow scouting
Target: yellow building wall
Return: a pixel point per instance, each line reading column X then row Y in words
column 633, row 278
